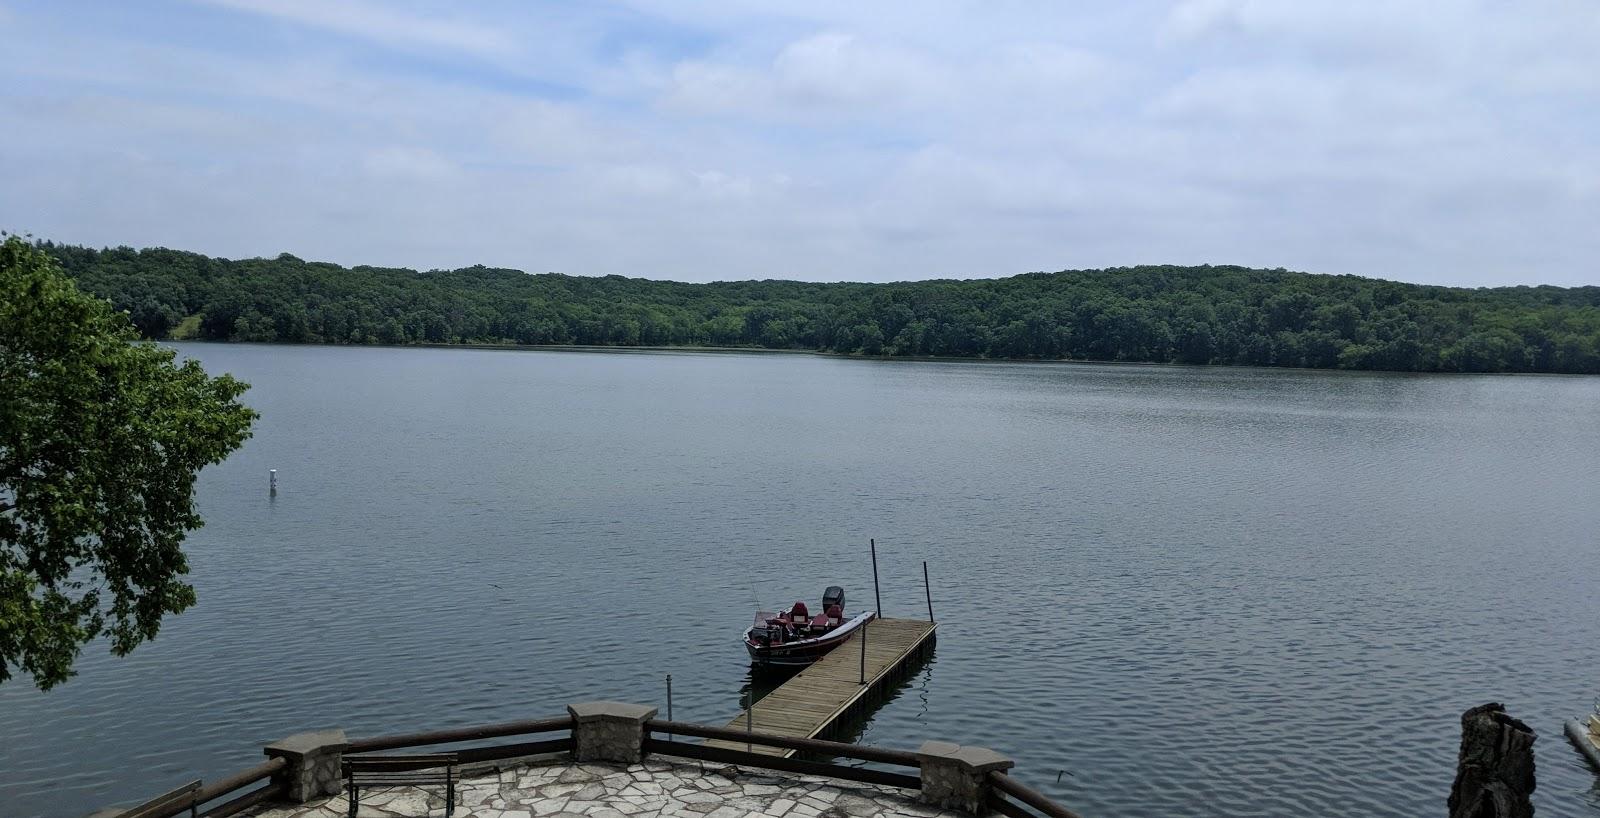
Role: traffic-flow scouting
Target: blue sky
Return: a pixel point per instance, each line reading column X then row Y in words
column 1443, row 142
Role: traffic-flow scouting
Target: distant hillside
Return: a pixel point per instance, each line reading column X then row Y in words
column 1200, row 315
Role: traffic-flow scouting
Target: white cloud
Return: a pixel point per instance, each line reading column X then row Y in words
column 1193, row 19
column 835, row 68
column 399, row 161
column 829, row 72
column 381, row 22
column 719, row 185
column 1451, row 143
column 705, row 86
column 551, row 133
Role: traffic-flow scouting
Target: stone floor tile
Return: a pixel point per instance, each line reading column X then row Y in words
column 549, row 806
column 697, row 790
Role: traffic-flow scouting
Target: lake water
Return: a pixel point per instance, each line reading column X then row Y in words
column 1198, row 592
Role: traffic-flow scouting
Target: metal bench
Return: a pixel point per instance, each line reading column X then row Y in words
column 366, row 772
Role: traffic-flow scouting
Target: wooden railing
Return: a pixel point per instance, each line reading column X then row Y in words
column 723, row 755
column 1003, row 788
column 189, row 797
column 1008, row 796
column 479, row 754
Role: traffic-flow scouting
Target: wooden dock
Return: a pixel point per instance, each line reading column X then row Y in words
column 819, row 697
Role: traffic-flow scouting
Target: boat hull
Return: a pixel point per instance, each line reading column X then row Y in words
column 1583, row 737
column 805, row 651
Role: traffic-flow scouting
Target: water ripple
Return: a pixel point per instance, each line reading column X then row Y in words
column 1182, row 592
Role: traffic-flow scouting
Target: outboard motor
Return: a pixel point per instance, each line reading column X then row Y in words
column 831, row 597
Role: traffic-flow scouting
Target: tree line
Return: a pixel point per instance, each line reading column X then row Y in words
column 1161, row 314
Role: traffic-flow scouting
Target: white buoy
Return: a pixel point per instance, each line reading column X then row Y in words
column 272, row 482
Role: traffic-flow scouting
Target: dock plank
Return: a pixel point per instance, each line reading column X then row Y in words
column 808, row 704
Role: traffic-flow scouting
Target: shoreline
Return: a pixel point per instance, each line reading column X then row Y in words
column 721, row 350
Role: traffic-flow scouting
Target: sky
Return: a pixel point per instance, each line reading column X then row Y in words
column 1440, row 142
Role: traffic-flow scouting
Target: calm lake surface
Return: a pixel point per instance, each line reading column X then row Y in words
column 1197, row 591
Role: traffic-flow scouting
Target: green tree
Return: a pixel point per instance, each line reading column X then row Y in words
column 1206, row 314
column 101, row 437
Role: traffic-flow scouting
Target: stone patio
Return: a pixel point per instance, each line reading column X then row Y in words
column 654, row 789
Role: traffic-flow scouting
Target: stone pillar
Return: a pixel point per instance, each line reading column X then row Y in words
column 609, row 731
column 956, row 777
column 313, row 769
column 1494, row 773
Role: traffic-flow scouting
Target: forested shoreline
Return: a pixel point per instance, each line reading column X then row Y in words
column 1155, row 314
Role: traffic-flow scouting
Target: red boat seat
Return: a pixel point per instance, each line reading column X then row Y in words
column 820, row 621
column 799, row 612
column 835, row 615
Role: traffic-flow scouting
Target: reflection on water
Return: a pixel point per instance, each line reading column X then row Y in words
column 1199, row 591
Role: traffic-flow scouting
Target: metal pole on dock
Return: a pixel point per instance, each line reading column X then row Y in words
column 928, row 589
column 272, row 482
column 749, row 719
column 864, row 651
column 876, row 594
column 669, row 701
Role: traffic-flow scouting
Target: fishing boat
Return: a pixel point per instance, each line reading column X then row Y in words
column 795, row 637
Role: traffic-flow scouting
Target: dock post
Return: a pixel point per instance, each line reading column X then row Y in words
column 749, row 718
column 876, row 594
column 928, row 589
column 669, row 701
column 864, row 650
column 272, row 482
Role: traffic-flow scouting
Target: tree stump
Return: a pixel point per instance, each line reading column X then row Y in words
column 1494, row 775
